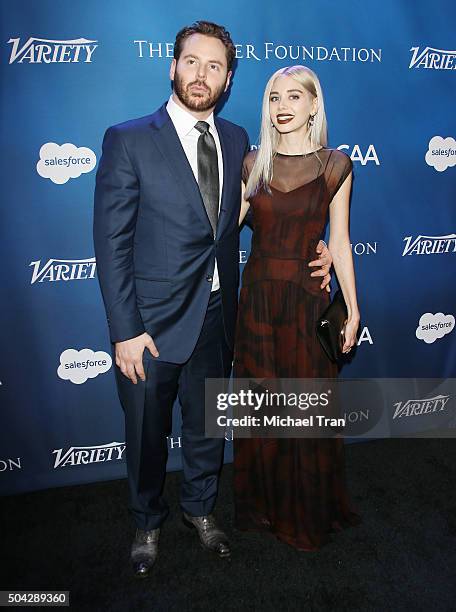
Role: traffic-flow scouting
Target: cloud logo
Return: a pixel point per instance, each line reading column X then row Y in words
column 434, row 326
column 441, row 153
column 78, row 366
column 60, row 163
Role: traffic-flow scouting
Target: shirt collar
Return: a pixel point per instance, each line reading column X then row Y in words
column 183, row 121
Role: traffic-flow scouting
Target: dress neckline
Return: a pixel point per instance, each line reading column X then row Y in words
column 299, row 154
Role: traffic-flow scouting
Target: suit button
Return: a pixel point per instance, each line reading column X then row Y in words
column 209, row 278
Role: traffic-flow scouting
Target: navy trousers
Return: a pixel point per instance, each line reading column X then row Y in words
column 148, row 420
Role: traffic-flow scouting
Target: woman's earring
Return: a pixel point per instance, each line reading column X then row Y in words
column 311, row 120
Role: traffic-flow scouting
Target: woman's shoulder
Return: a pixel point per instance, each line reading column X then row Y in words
column 249, row 159
column 338, row 157
column 338, row 166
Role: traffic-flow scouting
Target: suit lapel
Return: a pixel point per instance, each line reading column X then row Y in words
column 167, row 140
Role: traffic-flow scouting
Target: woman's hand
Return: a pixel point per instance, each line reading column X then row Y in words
column 351, row 329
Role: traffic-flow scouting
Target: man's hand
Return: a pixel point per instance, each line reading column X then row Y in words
column 129, row 354
column 324, row 262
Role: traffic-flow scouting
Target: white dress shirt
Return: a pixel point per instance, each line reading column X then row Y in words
column 184, row 122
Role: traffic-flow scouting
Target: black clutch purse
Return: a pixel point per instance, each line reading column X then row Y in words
column 330, row 327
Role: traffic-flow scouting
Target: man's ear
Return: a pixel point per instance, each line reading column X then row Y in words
column 172, row 69
column 228, row 80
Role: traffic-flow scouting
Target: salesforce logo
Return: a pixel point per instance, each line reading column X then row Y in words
column 434, row 326
column 60, row 163
column 441, row 153
column 78, row 366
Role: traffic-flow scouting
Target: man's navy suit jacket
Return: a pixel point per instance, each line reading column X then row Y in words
column 154, row 243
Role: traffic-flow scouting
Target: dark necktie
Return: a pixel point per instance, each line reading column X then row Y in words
column 208, row 176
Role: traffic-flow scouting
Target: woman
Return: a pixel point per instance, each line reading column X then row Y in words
column 292, row 487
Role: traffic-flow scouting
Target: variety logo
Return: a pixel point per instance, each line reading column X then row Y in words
column 420, row 406
column 429, row 245
column 273, row 51
column 369, row 155
column 441, row 153
column 430, row 58
column 8, row 465
column 60, row 163
column 434, row 326
column 78, row 366
column 83, row 455
column 63, row 270
column 44, row 51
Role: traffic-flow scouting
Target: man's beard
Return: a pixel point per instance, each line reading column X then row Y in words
column 196, row 102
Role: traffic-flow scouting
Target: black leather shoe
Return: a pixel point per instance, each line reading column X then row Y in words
column 211, row 536
column 144, row 551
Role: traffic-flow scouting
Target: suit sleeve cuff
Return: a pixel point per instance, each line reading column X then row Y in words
column 125, row 329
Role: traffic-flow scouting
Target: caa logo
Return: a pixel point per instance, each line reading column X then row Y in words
column 60, row 163
column 441, row 153
column 44, row 51
column 370, row 154
column 78, row 366
column 434, row 326
column 365, row 336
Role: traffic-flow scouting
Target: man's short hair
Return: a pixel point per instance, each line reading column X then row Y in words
column 208, row 29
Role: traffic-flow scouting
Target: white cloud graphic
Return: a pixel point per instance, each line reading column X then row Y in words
column 60, row 163
column 78, row 366
column 441, row 153
column 434, row 326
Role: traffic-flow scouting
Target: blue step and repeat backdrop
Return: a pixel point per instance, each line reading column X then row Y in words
column 71, row 69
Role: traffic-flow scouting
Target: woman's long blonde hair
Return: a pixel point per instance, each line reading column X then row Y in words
column 261, row 174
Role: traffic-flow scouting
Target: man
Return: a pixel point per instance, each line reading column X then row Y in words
column 167, row 202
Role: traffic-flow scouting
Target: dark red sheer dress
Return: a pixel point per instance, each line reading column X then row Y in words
column 294, row 488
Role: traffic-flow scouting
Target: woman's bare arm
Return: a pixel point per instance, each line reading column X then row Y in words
column 340, row 248
column 244, row 205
